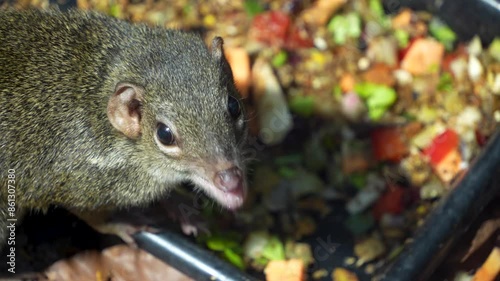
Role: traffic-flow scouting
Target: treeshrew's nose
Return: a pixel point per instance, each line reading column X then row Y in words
column 229, row 180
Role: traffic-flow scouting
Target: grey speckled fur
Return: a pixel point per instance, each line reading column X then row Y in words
column 57, row 72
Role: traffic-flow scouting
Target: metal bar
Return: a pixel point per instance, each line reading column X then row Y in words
column 189, row 258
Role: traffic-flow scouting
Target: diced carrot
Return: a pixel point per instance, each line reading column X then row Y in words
column 491, row 267
column 423, row 57
column 380, row 74
column 347, row 82
column 285, row 270
column 402, row 20
column 239, row 60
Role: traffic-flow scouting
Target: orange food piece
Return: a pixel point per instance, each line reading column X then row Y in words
column 402, row 20
column 321, row 11
column 285, row 270
column 239, row 60
column 347, row 83
column 342, row 274
column 449, row 166
column 423, row 57
column 380, row 74
column 491, row 267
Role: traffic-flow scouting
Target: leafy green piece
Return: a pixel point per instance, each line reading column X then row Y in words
column 279, row 59
column 378, row 11
column 337, row 92
column 253, row 7
column 402, row 37
column 220, row 243
column 494, row 49
column 443, row 33
column 234, row 258
column 187, row 9
column 377, row 8
column 378, row 98
column 302, row 105
column 358, row 180
column 274, row 250
column 286, row 172
column 115, row 11
column 445, row 82
column 293, row 158
column 344, row 27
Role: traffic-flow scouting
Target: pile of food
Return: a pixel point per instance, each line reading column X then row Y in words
column 348, row 101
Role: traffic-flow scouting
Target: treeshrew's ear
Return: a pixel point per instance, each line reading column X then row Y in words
column 217, row 49
column 124, row 109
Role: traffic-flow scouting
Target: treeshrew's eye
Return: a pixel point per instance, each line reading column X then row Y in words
column 165, row 134
column 233, row 106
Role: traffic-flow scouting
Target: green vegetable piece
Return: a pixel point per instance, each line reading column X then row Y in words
column 261, row 261
column 302, row 105
column 358, row 180
column 215, row 243
column 442, row 33
column 378, row 98
column 376, row 113
column 280, row 59
column 294, row 158
column 253, row 7
column 382, row 97
column 445, row 82
column 286, row 172
column 337, row 92
column 220, row 243
column 115, row 10
column 360, row 223
column 344, row 27
column 377, row 8
column 494, row 49
column 234, row 258
column 187, row 9
column 379, row 94
column 274, row 250
column 402, row 37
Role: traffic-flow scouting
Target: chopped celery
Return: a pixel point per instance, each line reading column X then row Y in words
column 494, row 49
column 253, row 7
column 234, row 258
column 274, row 250
column 378, row 98
column 442, row 33
column 445, row 82
column 402, row 37
column 279, row 59
column 344, row 27
column 302, row 105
